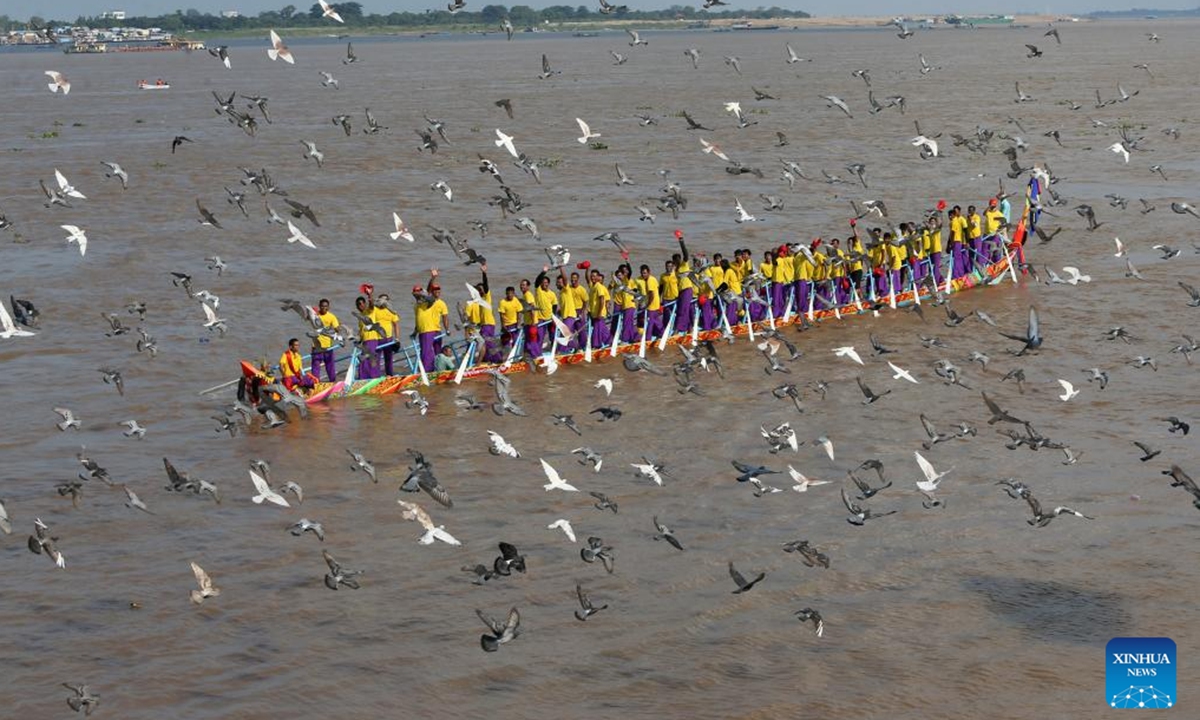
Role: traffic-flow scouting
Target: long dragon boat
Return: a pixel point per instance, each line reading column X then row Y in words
column 990, row 274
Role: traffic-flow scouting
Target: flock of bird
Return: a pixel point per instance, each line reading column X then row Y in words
column 1031, row 357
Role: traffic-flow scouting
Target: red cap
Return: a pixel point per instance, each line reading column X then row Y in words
column 678, row 234
column 815, row 243
column 853, row 222
column 941, row 205
column 418, row 289
column 434, row 286
column 992, row 202
column 366, row 288
column 783, row 249
column 586, row 264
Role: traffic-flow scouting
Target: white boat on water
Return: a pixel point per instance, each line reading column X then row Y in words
column 157, row 85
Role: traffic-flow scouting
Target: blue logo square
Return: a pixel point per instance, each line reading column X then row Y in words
column 1140, row 673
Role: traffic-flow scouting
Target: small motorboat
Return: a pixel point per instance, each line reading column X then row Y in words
column 159, row 84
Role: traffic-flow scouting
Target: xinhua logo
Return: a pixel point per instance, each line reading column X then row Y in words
column 1140, row 673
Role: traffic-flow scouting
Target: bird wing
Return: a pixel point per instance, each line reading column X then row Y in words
column 551, row 474
column 737, row 576
column 926, row 467
column 202, row 577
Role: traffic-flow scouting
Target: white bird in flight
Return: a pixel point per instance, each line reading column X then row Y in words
column 586, row 130
column 1120, row 149
column 329, row 12
column 77, row 236
column 565, row 526
column 556, row 481
column 298, row 236
column 500, row 446
column 1069, row 390
column 9, row 329
column 66, row 187
column 648, row 471
column 928, row 144
column 606, row 384
column 803, row 483
column 279, row 51
column 413, row 511
column 901, row 373
column 265, row 492
column 506, row 142
column 713, row 149
column 850, row 352
column 402, row 230
column 60, row 82
column 743, row 216
column 932, row 477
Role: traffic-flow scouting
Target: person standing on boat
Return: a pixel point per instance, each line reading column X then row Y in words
column 322, row 351
column 483, row 317
column 993, row 221
column 383, row 316
column 368, row 367
column 533, row 338
column 731, row 285
column 569, row 310
column 579, row 289
column 625, row 303
column 510, row 316
column 958, row 240
column 598, row 309
column 430, row 319
column 291, row 368
column 546, row 303
column 686, row 303
column 857, row 253
column 668, row 284
column 974, row 238
column 648, row 287
column 934, row 247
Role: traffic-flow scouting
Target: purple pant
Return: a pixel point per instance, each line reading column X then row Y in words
column 804, row 288
column 368, row 361
column 324, row 358
column 387, row 352
column 731, row 313
column 654, row 324
column 958, row 254
column 601, row 336
column 757, row 311
column 707, row 316
column 975, row 258
column 685, row 307
column 629, row 329
column 935, row 265
column 778, row 304
column 428, row 351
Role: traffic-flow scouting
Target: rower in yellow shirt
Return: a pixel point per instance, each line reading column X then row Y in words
column 652, row 323
column 322, row 351
column 598, row 309
column 510, row 315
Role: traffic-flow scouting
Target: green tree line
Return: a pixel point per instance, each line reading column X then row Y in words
column 352, row 13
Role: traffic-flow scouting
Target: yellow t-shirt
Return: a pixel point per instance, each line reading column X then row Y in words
column 328, row 320
column 626, row 299
column 387, row 320
column 544, row 299
column 598, row 302
column 581, row 295
column 429, row 318
column 530, row 302
column 509, row 310
column 837, row 267
column 685, row 282
column 975, row 224
column 734, row 280
column 899, row 253
column 994, row 218
column 785, row 269
column 958, row 229
column 568, row 303
column 363, row 333
column 291, row 364
column 649, row 287
column 481, row 314
column 670, row 286
column 856, row 248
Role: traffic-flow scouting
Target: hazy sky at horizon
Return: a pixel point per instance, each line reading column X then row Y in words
column 70, row 9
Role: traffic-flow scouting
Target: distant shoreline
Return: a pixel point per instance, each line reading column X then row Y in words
column 784, row 23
